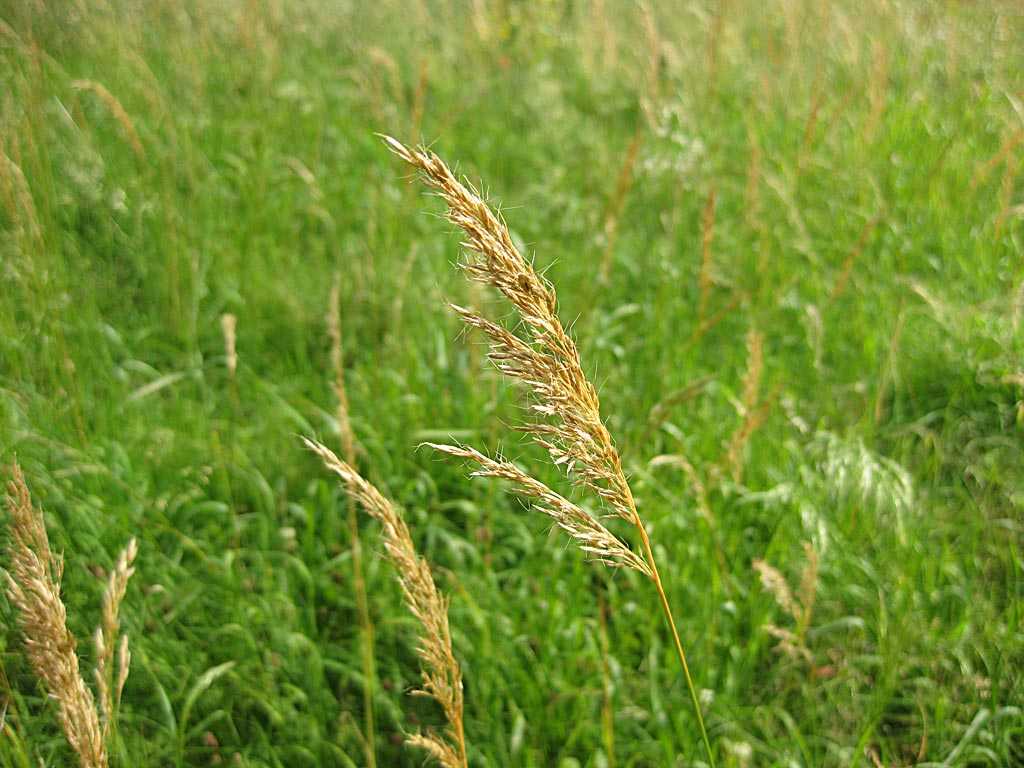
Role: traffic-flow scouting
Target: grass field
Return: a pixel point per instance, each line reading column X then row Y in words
column 788, row 237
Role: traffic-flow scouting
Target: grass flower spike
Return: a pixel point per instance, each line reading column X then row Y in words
column 33, row 585
column 570, row 427
column 442, row 677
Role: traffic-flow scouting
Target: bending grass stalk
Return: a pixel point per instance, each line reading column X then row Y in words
column 33, row 585
column 574, row 433
column 348, row 449
column 442, row 676
column 109, row 640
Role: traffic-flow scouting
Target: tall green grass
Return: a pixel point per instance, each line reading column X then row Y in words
column 840, row 181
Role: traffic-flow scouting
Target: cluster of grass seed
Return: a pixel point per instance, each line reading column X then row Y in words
column 33, row 586
column 569, row 426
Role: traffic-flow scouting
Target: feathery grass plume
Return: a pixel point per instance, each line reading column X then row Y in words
column 108, row 638
column 753, row 410
column 589, row 533
column 792, row 643
column 442, row 676
column 550, row 365
column 573, row 433
column 33, row 586
column 19, row 204
column 117, row 111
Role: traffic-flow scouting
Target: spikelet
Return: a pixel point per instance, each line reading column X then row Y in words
column 570, row 425
column 586, row 530
column 572, row 430
column 33, row 585
column 442, row 676
column 108, row 640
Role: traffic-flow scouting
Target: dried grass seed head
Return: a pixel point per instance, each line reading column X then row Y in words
column 33, row 585
column 575, row 435
column 442, row 676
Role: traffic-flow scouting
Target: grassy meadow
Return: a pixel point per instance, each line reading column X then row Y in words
column 788, row 237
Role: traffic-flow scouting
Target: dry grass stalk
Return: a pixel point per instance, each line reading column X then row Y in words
column 110, row 681
column 817, row 101
column 660, row 412
column 442, row 677
column 1006, row 151
column 708, row 323
column 792, row 642
column 573, row 431
column 653, row 65
column 229, row 324
column 588, row 532
column 480, row 13
column 888, row 374
column 847, row 267
column 1006, row 195
column 752, row 191
column 33, row 586
column 419, row 98
column 348, row 445
column 702, row 497
column 878, row 90
column 753, row 411
column 18, row 201
column 117, row 111
column 401, row 290
column 715, row 34
column 348, row 449
column 613, row 211
column 707, row 234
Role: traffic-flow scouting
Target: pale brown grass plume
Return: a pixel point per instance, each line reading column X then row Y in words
column 229, row 326
column 442, row 676
column 117, row 111
column 752, row 409
column 570, row 426
column 110, row 678
column 799, row 605
column 34, row 589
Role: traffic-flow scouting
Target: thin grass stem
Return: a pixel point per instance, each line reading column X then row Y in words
column 366, row 630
